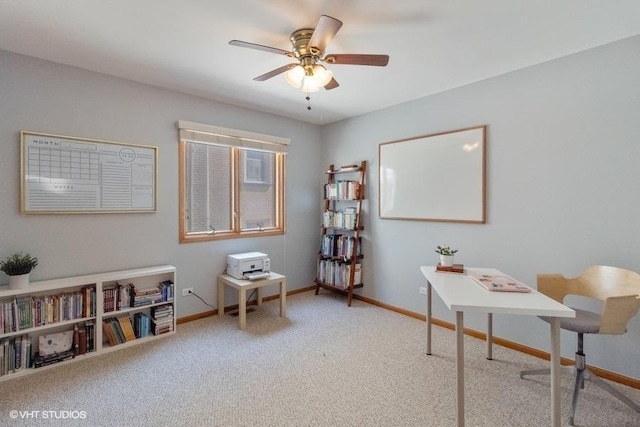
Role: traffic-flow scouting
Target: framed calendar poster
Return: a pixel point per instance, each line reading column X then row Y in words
column 63, row 174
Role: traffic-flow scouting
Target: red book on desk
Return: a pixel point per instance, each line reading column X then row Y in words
column 500, row 283
column 455, row 268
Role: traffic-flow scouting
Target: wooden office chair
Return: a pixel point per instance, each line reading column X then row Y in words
column 619, row 291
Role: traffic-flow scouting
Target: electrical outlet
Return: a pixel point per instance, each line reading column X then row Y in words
column 423, row 291
column 186, row 292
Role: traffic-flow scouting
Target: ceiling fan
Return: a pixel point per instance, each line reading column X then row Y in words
column 309, row 46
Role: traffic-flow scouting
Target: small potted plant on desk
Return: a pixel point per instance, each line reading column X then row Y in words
column 17, row 267
column 446, row 255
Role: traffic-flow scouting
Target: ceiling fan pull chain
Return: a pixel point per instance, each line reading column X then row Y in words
column 308, row 98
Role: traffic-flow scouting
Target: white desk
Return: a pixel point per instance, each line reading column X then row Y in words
column 461, row 293
column 243, row 286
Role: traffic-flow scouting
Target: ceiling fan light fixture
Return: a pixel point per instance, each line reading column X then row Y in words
column 295, row 76
column 322, row 75
column 309, row 79
column 310, row 84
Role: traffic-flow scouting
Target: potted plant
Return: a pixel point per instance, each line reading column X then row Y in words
column 446, row 255
column 18, row 266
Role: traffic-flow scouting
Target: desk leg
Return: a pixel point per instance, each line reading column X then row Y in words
column 283, row 298
column 555, row 371
column 490, row 336
column 428, row 318
column 460, row 365
column 258, row 296
column 220, row 298
column 242, row 307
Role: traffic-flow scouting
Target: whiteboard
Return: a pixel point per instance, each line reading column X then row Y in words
column 438, row 177
column 62, row 174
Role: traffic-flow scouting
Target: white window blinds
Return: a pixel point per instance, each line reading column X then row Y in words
column 197, row 132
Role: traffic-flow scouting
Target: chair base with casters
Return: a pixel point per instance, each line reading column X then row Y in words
column 583, row 373
column 618, row 290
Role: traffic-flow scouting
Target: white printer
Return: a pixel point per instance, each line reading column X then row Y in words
column 249, row 265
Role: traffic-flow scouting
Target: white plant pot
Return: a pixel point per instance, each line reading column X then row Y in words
column 20, row 281
column 446, row 260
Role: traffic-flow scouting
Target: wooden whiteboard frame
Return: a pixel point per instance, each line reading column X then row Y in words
column 69, row 175
column 437, row 177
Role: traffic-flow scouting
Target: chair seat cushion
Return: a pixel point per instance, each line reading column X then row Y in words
column 586, row 322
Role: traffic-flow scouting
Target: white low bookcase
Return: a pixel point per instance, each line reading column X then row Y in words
column 90, row 287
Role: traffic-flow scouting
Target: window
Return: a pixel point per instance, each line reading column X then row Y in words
column 231, row 183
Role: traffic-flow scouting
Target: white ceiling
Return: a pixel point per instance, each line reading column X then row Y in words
column 434, row 45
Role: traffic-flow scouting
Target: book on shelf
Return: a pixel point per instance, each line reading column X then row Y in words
column 115, row 297
column 76, row 340
column 342, row 190
column 119, row 297
column 340, row 245
column 108, row 334
column 348, row 168
column 17, row 349
column 167, row 289
column 15, row 354
column 127, row 327
column 40, row 360
column 90, row 327
column 26, row 312
column 141, row 297
column 109, row 298
column 82, row 339
column 159, row 329
column 337, row 273
column 117, row 329
column 88, row 301
column 162, row 319
column 357, row 275
column 500, row 283
column 346, row 219
column 141, row 325
column 159, row 311
column 345, row 168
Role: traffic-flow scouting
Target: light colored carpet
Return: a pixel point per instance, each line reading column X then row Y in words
column 324, row 365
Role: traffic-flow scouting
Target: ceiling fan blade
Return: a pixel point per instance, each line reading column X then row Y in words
column 331, row 85
column 255, row 46
column 325, row 30
column 273, row 73
column 357, row 59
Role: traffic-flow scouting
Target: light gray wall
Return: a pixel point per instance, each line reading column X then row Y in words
column 51, row 98
column 562, row 173
column 563, row 148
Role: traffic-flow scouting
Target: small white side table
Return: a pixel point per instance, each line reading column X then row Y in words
column 243, row 286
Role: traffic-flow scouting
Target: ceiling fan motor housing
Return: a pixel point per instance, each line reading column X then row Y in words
column 300, row 41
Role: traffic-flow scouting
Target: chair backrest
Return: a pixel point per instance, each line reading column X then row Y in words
column 617, row 288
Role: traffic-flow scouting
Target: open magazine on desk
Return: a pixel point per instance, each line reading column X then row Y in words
column 496, row 283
